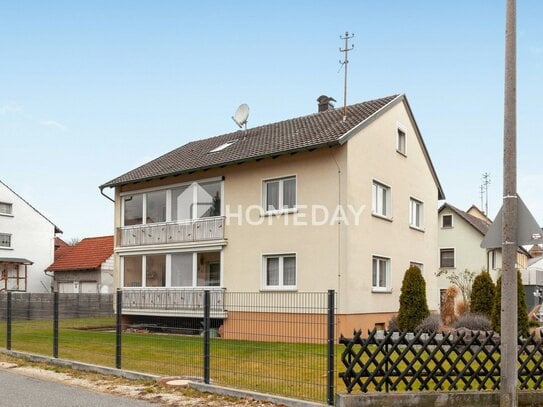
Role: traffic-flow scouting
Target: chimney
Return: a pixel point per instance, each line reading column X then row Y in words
column 325, row 103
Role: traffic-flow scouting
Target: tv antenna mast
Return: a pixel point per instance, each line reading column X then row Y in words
column 344, row 63
column 484, row 188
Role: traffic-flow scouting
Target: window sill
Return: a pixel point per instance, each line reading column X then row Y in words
column 6, row 248
column 375, row 290
column 417, row 228
column 446, row 227
column 401, row 153
column 280, row 289
column 279, row 212
column 7, row 215
column 387, row 218
column 446, row 268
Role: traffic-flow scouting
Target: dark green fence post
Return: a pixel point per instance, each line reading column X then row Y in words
column 55, row 324
column 118, row 329
column 330, row 349
column 207, row 307
column 8, row 322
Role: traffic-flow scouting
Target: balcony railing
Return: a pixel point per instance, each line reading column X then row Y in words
column 171, row 232
column 180, row 302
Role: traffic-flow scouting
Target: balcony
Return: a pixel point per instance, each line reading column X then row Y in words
column 173, row 302
column 188, row 231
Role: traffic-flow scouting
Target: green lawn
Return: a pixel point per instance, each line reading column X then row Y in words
column 286, row 369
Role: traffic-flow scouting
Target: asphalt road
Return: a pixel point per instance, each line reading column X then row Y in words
column 17, row 390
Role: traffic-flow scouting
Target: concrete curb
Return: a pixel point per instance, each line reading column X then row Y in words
column 226, row 391
column 128, row 374
column 441, row 399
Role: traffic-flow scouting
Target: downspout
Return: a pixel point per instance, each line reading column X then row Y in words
column 338, row 227
column 102, row 192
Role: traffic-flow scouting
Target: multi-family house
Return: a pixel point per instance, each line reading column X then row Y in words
column 333, row 200
column 27, row 244
column 460, row 236
column 86, row 267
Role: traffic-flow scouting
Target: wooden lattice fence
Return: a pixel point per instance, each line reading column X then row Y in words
column 392, row 361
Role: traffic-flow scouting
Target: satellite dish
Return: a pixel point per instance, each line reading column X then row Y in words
column 241, row 115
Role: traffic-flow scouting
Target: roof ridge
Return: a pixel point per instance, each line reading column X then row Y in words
column 300, row 133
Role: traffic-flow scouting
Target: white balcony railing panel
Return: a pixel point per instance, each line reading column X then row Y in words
column 172, row 232
column 171, row 300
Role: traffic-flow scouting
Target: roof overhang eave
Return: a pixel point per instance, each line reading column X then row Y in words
column 224, row 164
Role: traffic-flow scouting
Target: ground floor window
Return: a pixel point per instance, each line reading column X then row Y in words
column 380, row 273
column 187, row 269
column 279, row 271
column 13, row 276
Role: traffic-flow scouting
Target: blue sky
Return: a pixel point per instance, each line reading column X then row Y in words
column 90, row 90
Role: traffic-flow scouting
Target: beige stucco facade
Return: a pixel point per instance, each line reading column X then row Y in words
column 333, row 247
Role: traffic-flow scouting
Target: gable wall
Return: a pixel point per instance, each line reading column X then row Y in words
column 372, row 155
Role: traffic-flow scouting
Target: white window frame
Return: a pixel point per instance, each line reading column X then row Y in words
column 416, row 210
column 388, row 285
column 281, row 180
column 280, row 286
column 376, row 205
column 452, row 221
column 454, row 257
column 8, row 205
column 417, row 264
column 9, row 235
column 400, row 130
column 168, row 276
column 168, row 190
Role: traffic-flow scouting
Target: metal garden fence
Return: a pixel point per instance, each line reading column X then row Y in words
column 280, row 343
column 392, row 361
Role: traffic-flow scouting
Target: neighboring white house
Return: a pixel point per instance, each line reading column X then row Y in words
column 26, row 244
column 460, row 236
column 86, row 267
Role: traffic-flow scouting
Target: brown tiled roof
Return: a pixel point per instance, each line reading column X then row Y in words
column 88, row 254
column 302, row 133
column 474, row 221
column 61, row 251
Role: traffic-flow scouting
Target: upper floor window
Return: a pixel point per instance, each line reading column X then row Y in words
column 280, row 271
column 5, row 240
column 6, row 208
column 401, row 142
column 381, row 200
column 416, row 213
column 279, row 194
column 446, row 221
column 446, row 258
column 380, row 279
column 183, row 202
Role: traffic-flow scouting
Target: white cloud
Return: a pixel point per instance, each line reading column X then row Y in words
column 53, row 124
column 10, row 108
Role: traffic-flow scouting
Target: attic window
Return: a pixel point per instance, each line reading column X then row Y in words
column 223, row 146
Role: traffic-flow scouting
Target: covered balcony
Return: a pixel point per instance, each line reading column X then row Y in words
column 203, row 229
column 181, row 213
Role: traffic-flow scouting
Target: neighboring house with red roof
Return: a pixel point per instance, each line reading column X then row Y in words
column 270, row 210
column 27, row 244
column 86, row 267
column 460, row 236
